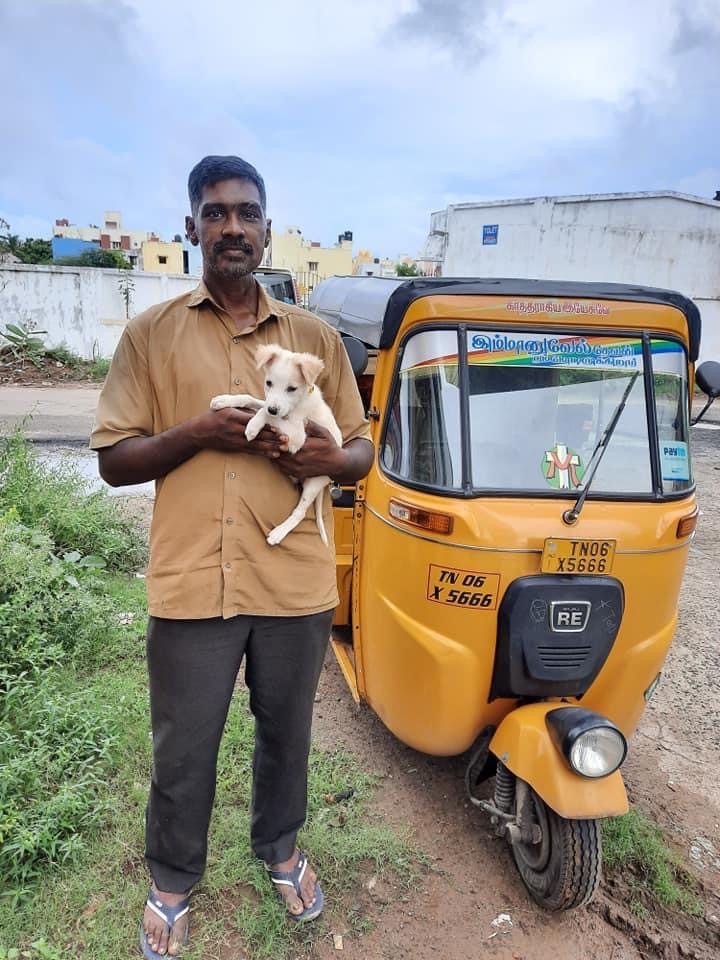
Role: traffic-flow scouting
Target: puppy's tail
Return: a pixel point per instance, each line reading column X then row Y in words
column 319, row 520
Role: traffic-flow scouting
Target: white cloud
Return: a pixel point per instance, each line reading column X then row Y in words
column 360, row 116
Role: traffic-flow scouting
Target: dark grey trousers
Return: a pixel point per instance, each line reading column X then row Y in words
column 192, row 666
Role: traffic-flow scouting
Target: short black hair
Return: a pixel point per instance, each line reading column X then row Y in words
column 214, row 169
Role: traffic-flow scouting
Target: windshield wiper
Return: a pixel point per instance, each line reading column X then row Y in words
column 570, row 516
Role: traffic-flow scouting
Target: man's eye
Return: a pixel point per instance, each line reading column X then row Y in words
column 213, row 215
column 268, row 383
column 291, row 389
column 251, row 215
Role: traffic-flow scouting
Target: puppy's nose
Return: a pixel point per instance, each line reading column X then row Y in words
column 273, row 411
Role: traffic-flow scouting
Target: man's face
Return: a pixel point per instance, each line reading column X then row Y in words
column 230, row 226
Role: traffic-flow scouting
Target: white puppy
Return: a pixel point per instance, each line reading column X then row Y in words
column 291, row 398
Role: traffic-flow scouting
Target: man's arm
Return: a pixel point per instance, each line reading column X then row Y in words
column 139, row 459
column 321, row 456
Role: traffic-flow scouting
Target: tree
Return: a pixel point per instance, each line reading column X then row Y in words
column 35, row 251
column 407, row 270
column 112, row 259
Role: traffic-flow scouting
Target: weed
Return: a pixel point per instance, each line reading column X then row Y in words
column 98, row 369
column 24, row 343
column 64, row 356
column 56, row 500
column 635, row 844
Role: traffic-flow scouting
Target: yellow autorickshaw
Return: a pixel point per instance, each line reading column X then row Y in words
column 509, row 571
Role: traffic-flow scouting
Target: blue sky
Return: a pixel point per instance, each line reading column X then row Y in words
column 361, row 116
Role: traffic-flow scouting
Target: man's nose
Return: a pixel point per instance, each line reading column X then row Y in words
column 273, row 410
column 234, row 225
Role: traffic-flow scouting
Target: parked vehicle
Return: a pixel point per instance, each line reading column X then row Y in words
column 278, row 283
column 509, row 571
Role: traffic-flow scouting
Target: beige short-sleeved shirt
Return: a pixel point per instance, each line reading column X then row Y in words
column 208, row 554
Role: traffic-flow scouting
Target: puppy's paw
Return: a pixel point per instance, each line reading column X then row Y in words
column 219, row 403
column 252, row 429
column 276, row 535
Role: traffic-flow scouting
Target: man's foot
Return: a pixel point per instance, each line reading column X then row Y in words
column 165, row 926
column 296, row 882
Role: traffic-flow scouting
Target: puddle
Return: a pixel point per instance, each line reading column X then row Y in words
column 85, row 462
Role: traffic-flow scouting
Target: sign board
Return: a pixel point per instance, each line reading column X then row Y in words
column 490, row 233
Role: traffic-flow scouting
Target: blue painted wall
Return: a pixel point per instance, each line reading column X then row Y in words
column 70, row 247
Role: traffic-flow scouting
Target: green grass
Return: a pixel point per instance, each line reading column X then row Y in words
column 634, row 845
column 75, row 754
column 57, row 501
column 92, row 908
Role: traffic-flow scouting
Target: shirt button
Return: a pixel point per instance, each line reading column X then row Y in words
column 237, row 381
column 229, row 520
column 237, row 339
column 231, row 476
column 228, row 566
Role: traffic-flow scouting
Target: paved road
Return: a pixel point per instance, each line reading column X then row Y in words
column 49, row 414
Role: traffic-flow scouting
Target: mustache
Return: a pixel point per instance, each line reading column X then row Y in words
column 222, row 245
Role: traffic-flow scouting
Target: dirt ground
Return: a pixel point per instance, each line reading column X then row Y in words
column 671, row 774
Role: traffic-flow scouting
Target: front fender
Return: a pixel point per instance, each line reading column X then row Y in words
column 522, row 742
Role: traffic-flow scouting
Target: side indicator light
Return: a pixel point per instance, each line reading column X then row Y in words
column 427, row 519
column 686, row 525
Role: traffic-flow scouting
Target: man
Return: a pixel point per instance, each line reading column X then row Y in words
column 216, row 590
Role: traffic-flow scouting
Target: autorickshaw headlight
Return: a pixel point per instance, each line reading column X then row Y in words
column 592, row 745
column 598, row 752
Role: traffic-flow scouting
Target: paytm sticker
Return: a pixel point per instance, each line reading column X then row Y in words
column 674, row 461
column 469, row 589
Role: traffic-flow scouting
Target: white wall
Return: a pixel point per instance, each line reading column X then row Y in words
column 657, row 241
column 81, row 307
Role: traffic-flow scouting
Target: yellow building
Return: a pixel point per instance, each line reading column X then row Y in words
column 307, row 260
column 159, row 256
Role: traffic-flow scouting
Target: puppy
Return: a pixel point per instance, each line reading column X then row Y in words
column 291, row 398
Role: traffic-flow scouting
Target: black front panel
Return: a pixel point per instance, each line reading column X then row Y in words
column 554, row 634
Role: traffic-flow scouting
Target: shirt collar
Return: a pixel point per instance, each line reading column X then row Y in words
column 267, row 306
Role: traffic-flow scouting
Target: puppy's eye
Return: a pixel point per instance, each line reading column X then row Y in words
column 291, row 389
column 268, row 383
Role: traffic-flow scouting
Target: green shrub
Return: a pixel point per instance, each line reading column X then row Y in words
column 53, row 608
column 98, row 369
column 57, row 744
column 56, row 499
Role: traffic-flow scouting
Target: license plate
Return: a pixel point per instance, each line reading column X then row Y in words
column 578, row 556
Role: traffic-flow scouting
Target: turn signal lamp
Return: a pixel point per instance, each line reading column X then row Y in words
column 427, row 519
column 686, row 525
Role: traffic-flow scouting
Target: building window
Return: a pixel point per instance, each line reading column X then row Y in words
column 116, row 244
column 313, row 266
column 162, row 259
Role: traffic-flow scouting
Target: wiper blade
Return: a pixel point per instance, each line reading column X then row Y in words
column 570, row 516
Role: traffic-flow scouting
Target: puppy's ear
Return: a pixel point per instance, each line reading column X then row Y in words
column 265, row 353
column 310, row 367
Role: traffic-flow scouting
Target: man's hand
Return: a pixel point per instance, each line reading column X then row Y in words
column 225, row 430
column 319, row 456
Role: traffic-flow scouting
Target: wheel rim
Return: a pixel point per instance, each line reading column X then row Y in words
column 536, row 855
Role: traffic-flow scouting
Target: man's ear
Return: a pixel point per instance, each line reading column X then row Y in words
column 268, row 233
column 265, row 353
column 190, row 231
column 310, row 367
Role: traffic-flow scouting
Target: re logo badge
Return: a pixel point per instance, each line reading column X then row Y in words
column 569, row 616
column 462, row 588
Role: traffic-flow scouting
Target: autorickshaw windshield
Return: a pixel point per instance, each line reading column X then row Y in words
column 522, row 412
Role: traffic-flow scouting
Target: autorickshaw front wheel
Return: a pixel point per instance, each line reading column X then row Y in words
column 559, row 860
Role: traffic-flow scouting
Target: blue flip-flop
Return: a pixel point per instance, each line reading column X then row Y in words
column 293, row 878
column 170, row 916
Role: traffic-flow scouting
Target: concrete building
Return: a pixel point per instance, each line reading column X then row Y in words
column 144, row 249
column 658, row 239
column 307, row 260
column 366, row 265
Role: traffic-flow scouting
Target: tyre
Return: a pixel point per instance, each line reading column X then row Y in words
column 563, row 869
